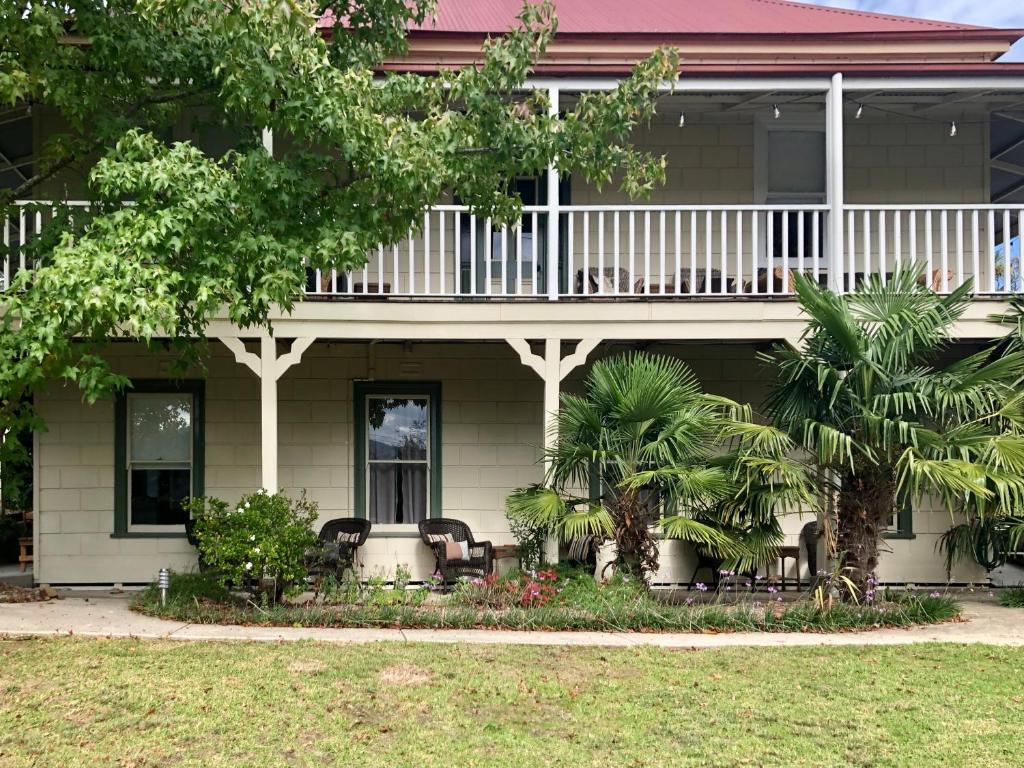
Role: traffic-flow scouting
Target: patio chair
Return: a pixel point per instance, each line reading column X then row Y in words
column 709, row 562
column 339, row 538
column 596, row 278
column 439, row 532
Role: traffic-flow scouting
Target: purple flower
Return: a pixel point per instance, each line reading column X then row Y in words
column 689, row 601
column 772, row 590
column 936, row 594
column 701, row 586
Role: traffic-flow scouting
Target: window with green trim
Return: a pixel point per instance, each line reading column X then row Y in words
column 159, row 452
column 398, row 451
column 901, row 524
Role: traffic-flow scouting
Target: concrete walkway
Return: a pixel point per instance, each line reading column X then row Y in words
column 106, row 615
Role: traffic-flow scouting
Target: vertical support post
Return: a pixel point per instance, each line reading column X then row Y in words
column 552, row 386
column 834, row 173
column 268, row 412
column 553, row 210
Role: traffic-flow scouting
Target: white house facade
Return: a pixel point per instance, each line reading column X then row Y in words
column 798, row 139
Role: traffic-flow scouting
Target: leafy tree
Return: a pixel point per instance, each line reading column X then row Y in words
column 868, row 397
column 664, row 454
column 358, row 157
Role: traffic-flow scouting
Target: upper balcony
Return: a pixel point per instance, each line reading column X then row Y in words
column 836, row 183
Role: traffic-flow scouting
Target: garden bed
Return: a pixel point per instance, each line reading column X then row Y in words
column 575, row 603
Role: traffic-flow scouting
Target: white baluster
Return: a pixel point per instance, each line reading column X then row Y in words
column 959, row 248
column 570, row 252
column 586, row 253
column 882, row 262
column 693, row 252
column 755, row 223
column 708, row 245
column 488, row 254
column 615, row 248
column 472, row 255
column 976, row 251
column 928, row 249
column 647, row 252
column 677, row 276
column 661, row 247
column 724, row 258
column 769, row 241
column 600, row 252
column 944, row 239
column 1007, row 263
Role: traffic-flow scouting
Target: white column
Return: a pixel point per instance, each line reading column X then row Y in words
column 269, row 367
column 552, row 369
column 552, row 388
column 834, row 174
column 268, row 413
column 553, row 211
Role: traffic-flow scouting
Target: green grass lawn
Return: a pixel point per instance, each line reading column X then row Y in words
column 71, row 702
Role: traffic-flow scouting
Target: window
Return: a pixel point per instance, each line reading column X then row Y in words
column 158, row 456
column 791, row 171
column 901, row 524
column 398, row 467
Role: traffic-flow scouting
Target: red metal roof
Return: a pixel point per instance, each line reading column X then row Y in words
column 679, row 17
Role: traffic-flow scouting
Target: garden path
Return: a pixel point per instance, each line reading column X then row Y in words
column 102, row 614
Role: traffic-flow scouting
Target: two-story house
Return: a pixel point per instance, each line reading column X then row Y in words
column 799, row 137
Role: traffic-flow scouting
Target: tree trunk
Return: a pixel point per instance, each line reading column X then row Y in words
column 636, row 549
column 866, row 504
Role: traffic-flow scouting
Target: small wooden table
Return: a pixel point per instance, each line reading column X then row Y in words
column 789, row 553
column 25, row 552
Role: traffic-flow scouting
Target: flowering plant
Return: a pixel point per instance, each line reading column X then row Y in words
column 264, row 536
column 523, row 590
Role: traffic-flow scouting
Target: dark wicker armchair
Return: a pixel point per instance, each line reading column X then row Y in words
column 339, row 538
column 437, row 531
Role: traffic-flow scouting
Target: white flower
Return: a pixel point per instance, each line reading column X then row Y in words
column 248, row 566
column 239, row 510
column 256, row 550
column 247, row 505
column 253, row 537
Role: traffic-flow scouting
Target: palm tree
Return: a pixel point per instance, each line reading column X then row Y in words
column 867, row 397
column 644, row 446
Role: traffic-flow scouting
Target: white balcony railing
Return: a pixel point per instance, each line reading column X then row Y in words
column 639, row 251
column 953, row 243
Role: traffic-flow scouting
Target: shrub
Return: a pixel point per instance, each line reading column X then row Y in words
column 264, row 536
column 1012, row 598
column 530, row 537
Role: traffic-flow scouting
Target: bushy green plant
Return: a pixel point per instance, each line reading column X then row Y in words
column 263, row 536
column 530, row 537
column 186, row 589
column 1012, row 598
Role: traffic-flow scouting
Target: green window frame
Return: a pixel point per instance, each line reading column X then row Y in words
column 194, row 387
column 366, row 389
column 904, row 528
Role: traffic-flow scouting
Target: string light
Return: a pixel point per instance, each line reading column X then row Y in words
column 682, row 119
column 952, row 129
column 777, row 111
column 860, row 112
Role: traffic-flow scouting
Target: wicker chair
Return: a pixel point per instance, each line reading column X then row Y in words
column 436, row 531
column 340, row 538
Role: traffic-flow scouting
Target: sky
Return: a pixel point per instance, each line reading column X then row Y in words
column 989, row 13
